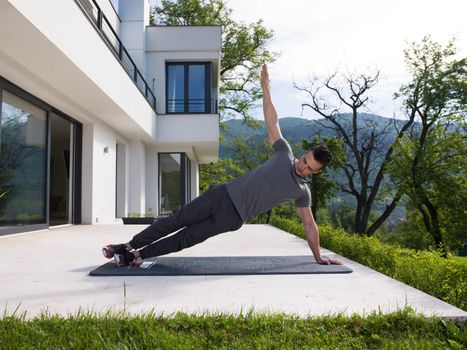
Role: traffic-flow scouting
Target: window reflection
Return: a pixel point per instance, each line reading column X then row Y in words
column 188, row 88
column 22, row 162
column 169, row 182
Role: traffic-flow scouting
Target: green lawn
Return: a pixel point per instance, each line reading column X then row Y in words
column 400, row 330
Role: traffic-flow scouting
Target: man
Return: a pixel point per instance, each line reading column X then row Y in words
column 226, row 207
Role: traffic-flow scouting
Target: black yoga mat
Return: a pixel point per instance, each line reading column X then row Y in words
column 222, row 265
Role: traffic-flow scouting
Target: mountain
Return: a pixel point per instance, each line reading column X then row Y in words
column 295, row 129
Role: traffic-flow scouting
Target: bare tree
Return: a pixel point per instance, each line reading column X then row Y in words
column 365, row 143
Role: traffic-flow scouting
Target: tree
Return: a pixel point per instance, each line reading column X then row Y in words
column 322, row 187
column 243, row 51
column 409, row 233
column 429, row 165
column 366, row 155
column 251, row 155
column 223, row 171
column 13, row 154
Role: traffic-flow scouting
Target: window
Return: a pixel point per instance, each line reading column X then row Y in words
column 40, row 163
column 174, row 182
column 188, row 88
column 23, row 156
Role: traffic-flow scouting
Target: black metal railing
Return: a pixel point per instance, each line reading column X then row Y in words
column 192, row 106
column 102, row 24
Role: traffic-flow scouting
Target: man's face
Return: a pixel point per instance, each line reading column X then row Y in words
column 307, row 165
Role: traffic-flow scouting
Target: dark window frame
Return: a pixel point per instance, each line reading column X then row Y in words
column 207, row 87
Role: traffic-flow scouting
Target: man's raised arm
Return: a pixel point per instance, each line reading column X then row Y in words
column 312, row 236
column 270, row 114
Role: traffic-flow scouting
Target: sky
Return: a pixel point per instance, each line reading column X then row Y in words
column 319, row 37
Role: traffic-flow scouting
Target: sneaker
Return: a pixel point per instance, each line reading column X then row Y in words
column 127, row 259
column 111, row 249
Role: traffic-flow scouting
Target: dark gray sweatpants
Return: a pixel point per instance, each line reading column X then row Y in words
column 207, row 215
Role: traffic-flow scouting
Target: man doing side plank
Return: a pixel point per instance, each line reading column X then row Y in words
column 225, row 207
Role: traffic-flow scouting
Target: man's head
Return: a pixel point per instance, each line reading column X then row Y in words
column 313, row 161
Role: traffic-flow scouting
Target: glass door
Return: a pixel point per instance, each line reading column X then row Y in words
column 174, row 182
column 61, row 170
column 23, row 159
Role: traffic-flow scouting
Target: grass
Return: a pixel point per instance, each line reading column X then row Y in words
column 399, row 330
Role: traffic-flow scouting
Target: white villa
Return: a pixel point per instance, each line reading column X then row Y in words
column 101, row 114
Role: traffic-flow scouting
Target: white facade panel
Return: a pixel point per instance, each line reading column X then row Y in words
column 152, row 172
column 87, row 175
column 201, row 131
column 123, row 166
column 194, row 179
column 134, row 10
column 137, row 177
column 104, row 175
column 132, row 35
column 183, row 38
column 188, row 128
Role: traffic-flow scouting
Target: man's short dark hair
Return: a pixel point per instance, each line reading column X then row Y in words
column 322, row 154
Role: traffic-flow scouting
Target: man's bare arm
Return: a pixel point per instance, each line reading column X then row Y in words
column 270, row 114
column 312, row 236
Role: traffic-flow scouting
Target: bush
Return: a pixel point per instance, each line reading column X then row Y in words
column 427, row 271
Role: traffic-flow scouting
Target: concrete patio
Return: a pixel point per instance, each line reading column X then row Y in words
column 48, row 270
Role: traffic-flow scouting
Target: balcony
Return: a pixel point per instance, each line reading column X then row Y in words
column 111, row 38
column 59, row 57
column 193, row 106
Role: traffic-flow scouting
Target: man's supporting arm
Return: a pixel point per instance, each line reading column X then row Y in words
column 312, row 236
column 270, row 114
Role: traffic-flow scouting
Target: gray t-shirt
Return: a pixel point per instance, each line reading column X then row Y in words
column 270, row 184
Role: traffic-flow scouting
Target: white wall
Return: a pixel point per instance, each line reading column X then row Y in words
column 134, row 15
column 137, row 177
column 123, row 167
column 152, row 186
column 104, row 175
column 87, row 216
column 99, row 173
column 199, row 131
column 183, row 38
column 194, row 179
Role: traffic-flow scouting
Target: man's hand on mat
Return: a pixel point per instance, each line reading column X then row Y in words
column 327, row 261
